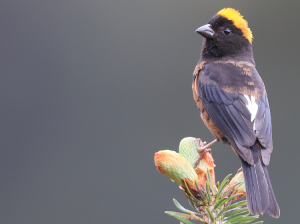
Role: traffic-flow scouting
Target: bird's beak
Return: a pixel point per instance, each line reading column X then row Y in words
column 206, row 31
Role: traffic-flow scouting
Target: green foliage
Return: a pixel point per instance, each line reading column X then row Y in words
column 181, row 217
column 217, row 206
column 210, row 182
column 194, row 172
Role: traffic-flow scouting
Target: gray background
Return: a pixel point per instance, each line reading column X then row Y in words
column 90, row 90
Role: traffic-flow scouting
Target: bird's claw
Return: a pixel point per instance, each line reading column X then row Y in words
column 202, row 149
column 202, row 146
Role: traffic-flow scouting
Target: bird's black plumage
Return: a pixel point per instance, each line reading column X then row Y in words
column 233, row 104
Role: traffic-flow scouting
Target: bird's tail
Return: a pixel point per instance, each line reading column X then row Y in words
column 259, row 191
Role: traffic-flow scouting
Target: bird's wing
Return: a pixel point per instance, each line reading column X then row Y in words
column 263, row 126
column 241, row 119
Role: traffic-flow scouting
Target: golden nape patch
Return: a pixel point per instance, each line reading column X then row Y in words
column 238, row 21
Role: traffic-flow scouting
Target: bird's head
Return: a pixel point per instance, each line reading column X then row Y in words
column 227, row 33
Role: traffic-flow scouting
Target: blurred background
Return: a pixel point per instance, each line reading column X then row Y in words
column 90, row 90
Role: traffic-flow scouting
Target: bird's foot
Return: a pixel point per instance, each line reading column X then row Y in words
column 203, row 145
column 203, row 148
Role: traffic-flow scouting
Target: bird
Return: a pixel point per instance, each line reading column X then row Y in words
column 233, row 103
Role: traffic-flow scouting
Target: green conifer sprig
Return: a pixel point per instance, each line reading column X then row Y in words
column 214, row 203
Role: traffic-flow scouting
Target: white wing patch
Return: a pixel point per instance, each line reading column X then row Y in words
column 252, row 107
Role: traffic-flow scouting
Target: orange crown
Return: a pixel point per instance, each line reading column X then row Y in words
column 238, row 21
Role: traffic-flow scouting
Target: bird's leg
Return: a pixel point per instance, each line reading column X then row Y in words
column 203, row 148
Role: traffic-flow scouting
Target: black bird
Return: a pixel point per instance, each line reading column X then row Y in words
column 233, row 103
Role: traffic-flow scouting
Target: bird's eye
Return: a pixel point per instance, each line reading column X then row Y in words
column 227, row 31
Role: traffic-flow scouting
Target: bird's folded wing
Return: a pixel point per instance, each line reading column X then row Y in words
column 235, row 120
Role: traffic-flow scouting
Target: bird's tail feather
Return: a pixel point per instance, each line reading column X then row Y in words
column 273, row 208
column 259, row 191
